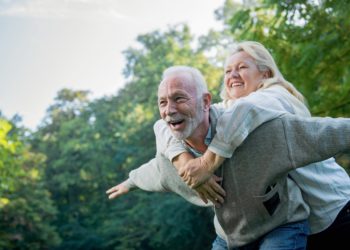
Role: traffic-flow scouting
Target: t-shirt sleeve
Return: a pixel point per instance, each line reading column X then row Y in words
column 167, row 144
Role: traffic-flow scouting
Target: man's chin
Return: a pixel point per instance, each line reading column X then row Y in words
column 178, row 135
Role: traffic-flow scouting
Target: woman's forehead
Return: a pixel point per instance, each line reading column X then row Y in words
column 239, row 57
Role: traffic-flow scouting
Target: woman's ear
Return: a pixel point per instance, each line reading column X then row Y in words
column 267, row 74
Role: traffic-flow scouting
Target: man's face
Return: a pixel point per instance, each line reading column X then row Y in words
column 179, row 106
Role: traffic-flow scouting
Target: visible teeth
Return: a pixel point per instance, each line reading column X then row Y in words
column 236, row 84
column 175, row 122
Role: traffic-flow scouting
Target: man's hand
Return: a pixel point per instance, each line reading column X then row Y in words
column 117, row 191
column 199, row 170
column 212, row 191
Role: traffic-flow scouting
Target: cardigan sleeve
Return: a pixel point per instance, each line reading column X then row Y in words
column 315, row 139
column 147, row 177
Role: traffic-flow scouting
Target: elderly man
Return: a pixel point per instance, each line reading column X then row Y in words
column 261, row 200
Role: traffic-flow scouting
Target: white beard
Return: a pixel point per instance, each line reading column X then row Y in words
column 191, row 122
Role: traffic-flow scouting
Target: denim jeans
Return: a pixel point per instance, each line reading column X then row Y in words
column 219, row 244
column 291, row 236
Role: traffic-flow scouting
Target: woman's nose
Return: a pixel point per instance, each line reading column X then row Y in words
column 234, row 73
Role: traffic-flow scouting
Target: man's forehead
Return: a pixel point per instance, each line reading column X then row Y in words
column 178, row 83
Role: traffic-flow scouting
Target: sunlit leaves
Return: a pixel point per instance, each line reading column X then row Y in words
column 25, row 206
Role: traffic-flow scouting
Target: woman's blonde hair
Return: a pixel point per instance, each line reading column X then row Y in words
column 264, row 62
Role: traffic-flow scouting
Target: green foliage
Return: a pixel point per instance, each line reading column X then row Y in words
column 25, row 205
column 8, row 148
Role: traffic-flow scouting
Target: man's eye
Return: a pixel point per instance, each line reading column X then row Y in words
column 162, row 103
column 228, row 71
column 180, row 99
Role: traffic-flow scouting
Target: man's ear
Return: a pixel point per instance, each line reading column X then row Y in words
column 206, row 101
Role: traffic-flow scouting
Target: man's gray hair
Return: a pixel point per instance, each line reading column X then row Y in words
column 195, row 74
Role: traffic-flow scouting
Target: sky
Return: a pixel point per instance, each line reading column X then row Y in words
column 48, row 45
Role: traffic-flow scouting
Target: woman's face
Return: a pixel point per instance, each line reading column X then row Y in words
column 241, row 75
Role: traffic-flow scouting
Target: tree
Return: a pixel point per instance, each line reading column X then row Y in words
column 25, row 204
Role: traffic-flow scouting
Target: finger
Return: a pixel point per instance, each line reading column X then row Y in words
column 186, row 175
column 111, row 190
column 181, row 172
column 203, row 193
column 217, row 178
column 113, row 195
column 215, row 202
column 185, row 178
column 188, row 183
column 194, row 183
column 202, row 197
column 183, row 175
column 213, row 194
column 217, row 188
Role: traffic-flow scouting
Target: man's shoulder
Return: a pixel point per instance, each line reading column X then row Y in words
column 216, row 110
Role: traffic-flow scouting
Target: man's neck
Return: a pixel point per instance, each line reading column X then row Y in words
column 197, row 139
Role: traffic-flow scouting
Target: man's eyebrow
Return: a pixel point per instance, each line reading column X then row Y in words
column 180, row 92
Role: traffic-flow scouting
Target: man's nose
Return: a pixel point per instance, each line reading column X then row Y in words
column 170, row 108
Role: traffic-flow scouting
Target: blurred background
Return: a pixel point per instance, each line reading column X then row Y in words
column 78, row 103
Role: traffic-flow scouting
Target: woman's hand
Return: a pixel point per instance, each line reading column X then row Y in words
column 199, row 170
column 195, row 172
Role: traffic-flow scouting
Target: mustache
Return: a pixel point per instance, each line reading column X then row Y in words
column 174, row 118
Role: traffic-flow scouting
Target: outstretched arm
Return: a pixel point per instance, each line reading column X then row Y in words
column 146, row 177
column 315, row 139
